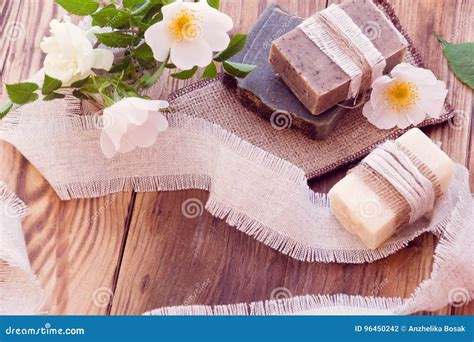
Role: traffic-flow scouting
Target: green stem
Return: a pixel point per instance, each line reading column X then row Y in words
column 156, row 75
column 441, row 40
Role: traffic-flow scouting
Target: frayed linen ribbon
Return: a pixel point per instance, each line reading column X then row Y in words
column 20, row 291
column 451, row 279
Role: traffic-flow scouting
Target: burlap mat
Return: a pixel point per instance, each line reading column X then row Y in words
column 217, row 101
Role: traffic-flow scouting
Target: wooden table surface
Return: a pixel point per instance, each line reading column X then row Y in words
column 139, row 252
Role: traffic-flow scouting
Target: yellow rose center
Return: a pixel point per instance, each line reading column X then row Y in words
column 186, row 25
column 402, row 95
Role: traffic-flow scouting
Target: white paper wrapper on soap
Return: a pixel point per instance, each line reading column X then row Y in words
column 361, row 211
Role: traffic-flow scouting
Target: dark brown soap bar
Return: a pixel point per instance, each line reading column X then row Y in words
column 314, row 78
column 266, row 91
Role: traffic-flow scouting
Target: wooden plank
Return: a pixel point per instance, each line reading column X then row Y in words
column 169, row 259
column 74, row 246
column 204, row 261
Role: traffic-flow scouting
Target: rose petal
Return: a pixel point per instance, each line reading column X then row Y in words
column 409, row 73
column 214, row 20
column 432, row 99
column 103, row 59
column 159, row 39
column 107, row 146
column 173, row 8
column 187, row 54
column 217, row 40
column 145, row 104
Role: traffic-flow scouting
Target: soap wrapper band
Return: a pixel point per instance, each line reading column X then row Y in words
column 401, row 181
column 336, row 34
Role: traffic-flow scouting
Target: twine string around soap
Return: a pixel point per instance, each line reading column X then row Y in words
column 399, row 169
column 350, row 49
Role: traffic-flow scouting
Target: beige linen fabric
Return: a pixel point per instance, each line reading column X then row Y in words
column 20, row 292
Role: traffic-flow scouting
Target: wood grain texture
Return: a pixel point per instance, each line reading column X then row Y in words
column 128, row 253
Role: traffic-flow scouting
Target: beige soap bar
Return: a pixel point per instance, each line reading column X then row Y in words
column 360, row 210
column 313, row 77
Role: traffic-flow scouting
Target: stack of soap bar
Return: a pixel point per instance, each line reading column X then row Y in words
column 265, row 91
column 314, row 78
column 361, row 211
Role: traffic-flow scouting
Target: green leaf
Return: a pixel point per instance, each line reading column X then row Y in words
column 210, row 71
column 235, row 45
column 214, row 3
column 147, row 80
column 185, row 74
column 122, row 65
column 115, row 39
column 80, row 83
column 50, row 84
column 170, row 66
column 5, row 108
column 238, row 69
column 460, row 59
column 79, row 7
column 21, row 93
column 137, row 21
column 143, row 51
column 53, row 96
column 132, row 3
column 111, row 17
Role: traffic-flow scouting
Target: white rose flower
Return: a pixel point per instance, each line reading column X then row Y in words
column 406, row 98
column 189, row 32
column 70, row 54
column 132, row 122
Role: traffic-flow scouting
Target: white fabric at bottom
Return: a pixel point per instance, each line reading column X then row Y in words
column 20, row 292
